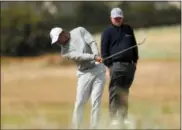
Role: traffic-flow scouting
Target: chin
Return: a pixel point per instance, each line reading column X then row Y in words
column 66, row 41
column 118, row 25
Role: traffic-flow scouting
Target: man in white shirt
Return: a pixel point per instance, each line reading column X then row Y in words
column 80, row 46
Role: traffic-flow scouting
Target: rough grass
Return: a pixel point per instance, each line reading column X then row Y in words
column 39, row 93
column 43, row 97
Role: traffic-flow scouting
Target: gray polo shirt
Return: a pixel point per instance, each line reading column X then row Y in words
column 82, row 48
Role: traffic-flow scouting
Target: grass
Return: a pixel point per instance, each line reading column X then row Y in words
column 39, row 93
column 46, row 100
column 60, row 115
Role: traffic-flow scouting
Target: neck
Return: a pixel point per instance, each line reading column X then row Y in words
column 117, row 26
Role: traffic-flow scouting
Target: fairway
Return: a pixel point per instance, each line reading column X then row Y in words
column 38, row 93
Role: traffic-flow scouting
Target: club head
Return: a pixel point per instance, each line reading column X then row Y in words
column 143, row 41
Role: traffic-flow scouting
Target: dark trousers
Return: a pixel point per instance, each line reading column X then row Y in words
column 121, row 78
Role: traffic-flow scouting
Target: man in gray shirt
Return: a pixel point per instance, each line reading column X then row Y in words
column 79, row 45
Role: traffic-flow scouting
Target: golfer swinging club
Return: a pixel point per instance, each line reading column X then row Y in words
column 115, row 38
column 79, row 45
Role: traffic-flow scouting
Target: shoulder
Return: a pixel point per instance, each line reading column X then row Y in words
column 107, row 30
column 78, row 31
column 81, row 29
column 127, row 26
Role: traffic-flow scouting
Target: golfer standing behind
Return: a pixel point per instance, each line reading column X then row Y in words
column 115, row 38
column 79, row 45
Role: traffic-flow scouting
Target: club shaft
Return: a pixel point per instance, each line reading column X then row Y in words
column 120, row 52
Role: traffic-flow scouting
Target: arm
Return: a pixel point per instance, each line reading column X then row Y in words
column 135, row 50
column 76, row 56
column 89, row 40
column 105, row 47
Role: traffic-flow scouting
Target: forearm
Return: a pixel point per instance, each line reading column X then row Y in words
column 79, row 56
column 135, row 50
column 105, row 54
column 94, row 48
column 104, row 51
column 105, row 48
column 135, row 54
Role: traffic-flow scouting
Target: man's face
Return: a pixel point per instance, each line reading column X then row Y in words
column 117, row 21
column 63, row 38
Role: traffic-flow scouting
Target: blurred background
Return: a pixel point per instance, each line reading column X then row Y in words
column 38, row 87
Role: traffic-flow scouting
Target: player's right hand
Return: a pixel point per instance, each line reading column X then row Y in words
column 98, row 59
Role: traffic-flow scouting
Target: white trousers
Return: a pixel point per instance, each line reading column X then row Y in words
column 90, row 85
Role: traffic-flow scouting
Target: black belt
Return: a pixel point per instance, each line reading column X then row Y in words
column 124, row 61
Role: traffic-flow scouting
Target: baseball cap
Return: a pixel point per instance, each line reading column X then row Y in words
column 116, row 12
column 54, row 34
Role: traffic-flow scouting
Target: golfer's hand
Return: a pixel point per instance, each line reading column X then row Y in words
column 98, row 59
